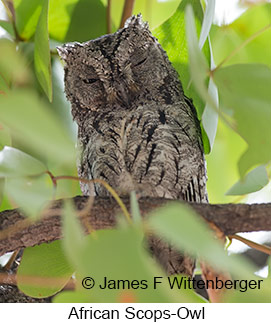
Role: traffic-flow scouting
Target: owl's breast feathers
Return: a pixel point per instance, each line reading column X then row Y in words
column 155, row 150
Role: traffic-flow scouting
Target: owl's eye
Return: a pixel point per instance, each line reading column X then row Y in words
column 140, row 62
column 90, row 81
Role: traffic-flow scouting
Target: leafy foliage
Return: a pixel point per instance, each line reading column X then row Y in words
column 36, row 142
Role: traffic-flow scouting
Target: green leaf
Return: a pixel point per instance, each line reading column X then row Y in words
column 42, row 57
column 210, row 113
column 7, row 26
column 199, row 71
column 2, row 188
column 222, row 164
column 5, row 138
column 32, row 123
column 254, row 181
column 205, row 140
column 30, row 194
column 73, row 234
column 27, row 16
column 76, row 20
column 13, row 70
column 14, row 162
column 261, row 294
column 185, row 230
column 117, row 254
column 198, row 66
column 69, row 20
column 245, row 90
column 135, row 211
column 43, row 270
column 73, row 297
column 207, row 22
column 172, row 36
column 210, row 116
column 154, row 12
column 269, row 269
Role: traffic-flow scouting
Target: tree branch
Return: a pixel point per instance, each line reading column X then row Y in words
column 17, row 232
column 127, row 11
column 108, row 17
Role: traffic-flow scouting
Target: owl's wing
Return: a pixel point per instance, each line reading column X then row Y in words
column 163, row 152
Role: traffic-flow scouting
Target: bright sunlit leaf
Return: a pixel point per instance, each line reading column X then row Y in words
column 27, row 16
column 74, row 20
column 153, row 11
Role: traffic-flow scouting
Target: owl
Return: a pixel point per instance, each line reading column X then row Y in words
column 136, row 128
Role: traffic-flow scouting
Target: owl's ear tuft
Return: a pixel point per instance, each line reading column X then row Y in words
column 137, row 21
column 62, row 52
column 67, row 49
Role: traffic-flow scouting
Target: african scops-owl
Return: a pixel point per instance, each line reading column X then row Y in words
column 136, row 128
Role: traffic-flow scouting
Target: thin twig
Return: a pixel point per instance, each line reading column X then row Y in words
column 13, row 257
column 106, row 185
column 36, row 281
column 252, row 244
column 127, row 11
column 108, row 17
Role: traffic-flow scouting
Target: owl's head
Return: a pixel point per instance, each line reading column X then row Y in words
column 118, row 70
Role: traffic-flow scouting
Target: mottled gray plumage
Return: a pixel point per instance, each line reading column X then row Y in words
column 136, row 129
